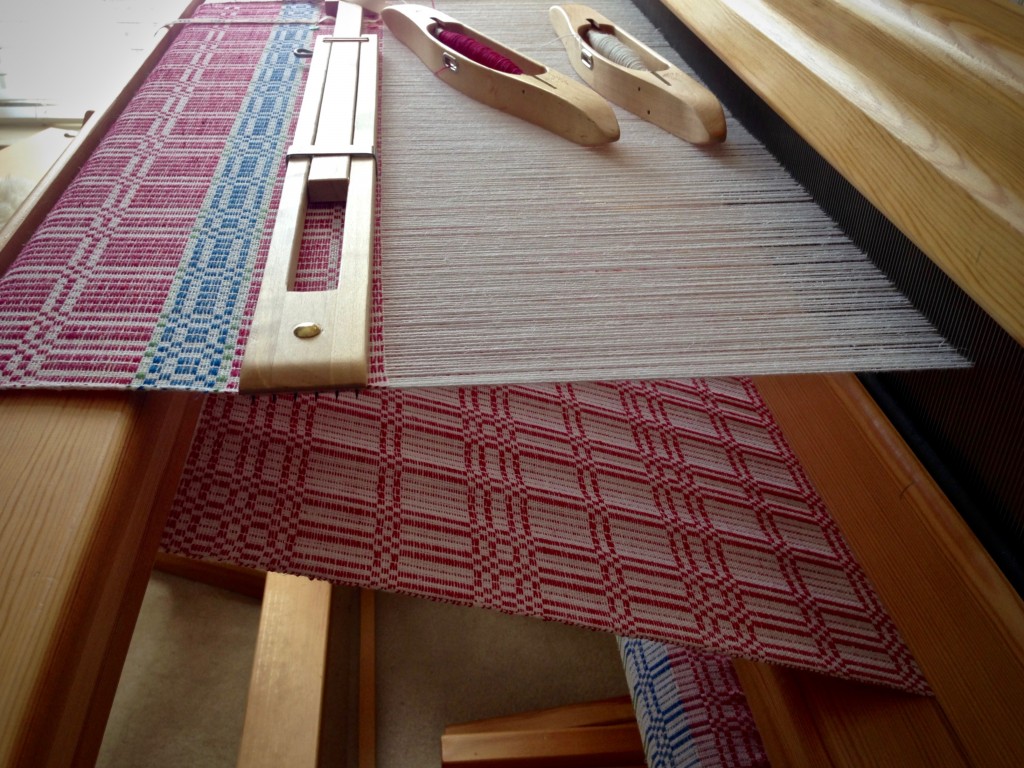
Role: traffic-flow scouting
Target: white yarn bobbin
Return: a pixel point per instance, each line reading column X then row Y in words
column 609, row 46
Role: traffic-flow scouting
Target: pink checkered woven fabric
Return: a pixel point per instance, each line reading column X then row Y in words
column 667, row 510
column 142, row 274
column 719, row 718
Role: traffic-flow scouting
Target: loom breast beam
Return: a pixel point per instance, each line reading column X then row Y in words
column 540, row 95
column 320, row 339
column 660, row 93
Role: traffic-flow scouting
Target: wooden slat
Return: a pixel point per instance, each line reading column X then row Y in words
column 961, row 619
column 918, row 105
column 616, row 710
column 329, row 176
column 814, row 721
column 283, row 711
column 602, row 745
column 786, row 726
column 245, row 581
column 86, row 482
column 367, row 708
column 337, row 354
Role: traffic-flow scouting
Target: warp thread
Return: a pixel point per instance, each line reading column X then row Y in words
column 476, row 51
column 268, row 22
column 609, row 46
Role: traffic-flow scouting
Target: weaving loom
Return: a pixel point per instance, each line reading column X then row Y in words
column 735, row 424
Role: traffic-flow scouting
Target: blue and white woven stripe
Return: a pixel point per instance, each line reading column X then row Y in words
column 689, row 707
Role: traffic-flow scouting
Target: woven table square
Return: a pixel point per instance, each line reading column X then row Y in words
column 668, row 510
column 142, row 274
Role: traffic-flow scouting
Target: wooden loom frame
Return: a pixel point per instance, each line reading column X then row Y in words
column 86, row 481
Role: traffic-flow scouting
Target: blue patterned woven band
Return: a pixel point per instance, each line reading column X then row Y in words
column 142, row 274
column 690, row 708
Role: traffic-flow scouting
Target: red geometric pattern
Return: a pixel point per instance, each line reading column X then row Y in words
column 720, row 721
column 670, row 510
column 166, row 220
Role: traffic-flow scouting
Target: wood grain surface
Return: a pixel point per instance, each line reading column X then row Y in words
column 86, row 483
column 918, row 105
column 961, row 619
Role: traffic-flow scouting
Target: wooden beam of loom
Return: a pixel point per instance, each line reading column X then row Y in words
column 321, row 339
column 959, row 616
column 931, row 94
column 86, row 482
column 283, row 710
column 598, row 745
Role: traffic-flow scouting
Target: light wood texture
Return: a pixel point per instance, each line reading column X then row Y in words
column 39, row 202
column 605, row 712
column 961, row 619
column 600, row 745
column 367, row 708
column 918, row 105
column 245, row 581
column 665, row 95
column 282, row 715
column 276, row 359
column 540, row 96
column 814, row 721
column 86, row 482
column 329, row 176
column 787, row 728
column 597, row 733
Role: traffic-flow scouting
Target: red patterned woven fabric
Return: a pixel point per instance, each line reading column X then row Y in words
column 719, row 718
column 667, row 510
column 141, row 275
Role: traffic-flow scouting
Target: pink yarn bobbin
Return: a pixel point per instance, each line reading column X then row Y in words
column 478, row 52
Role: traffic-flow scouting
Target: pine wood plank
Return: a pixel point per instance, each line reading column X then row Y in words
column 616, row 710
column 960, row 617
column 235, row 578
column 810, row 720
column 283, row 711
column 786, row 726
column 602, row 745
column 86, row 481
column 918, row 105
column 367, row 708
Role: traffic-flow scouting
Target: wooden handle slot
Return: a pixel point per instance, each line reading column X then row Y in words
column 320, row 339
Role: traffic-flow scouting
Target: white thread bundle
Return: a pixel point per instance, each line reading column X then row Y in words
column 512, row 255
column 612, row 48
